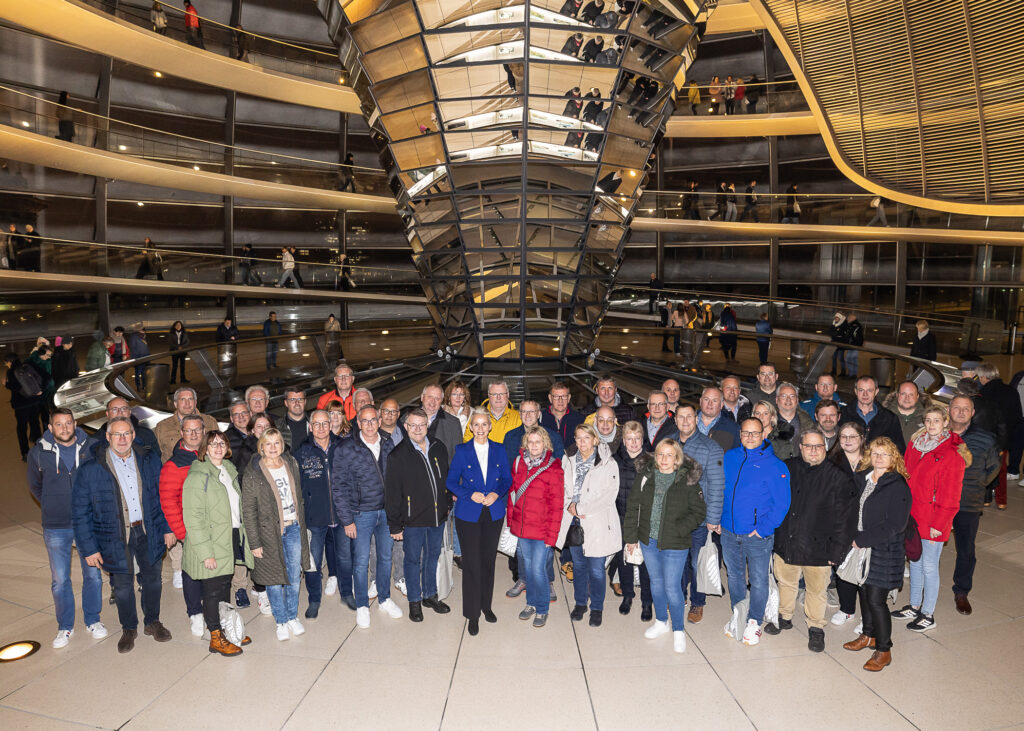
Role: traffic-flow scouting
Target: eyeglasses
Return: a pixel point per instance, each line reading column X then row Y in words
column 295, row 400
column 258, row 400
column 751, row 433
column 216, row 445
column 528, row 412
column 390, row 412
column 606, row 420
column 121, row 435
column 120, row 410
column 374, row 420
column 812, row 447
column 191, row 431
column 344, row 377
column 563, row 397
column 321, row 424
column 415, row 426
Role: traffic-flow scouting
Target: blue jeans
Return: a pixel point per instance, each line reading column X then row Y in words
column 371, row 524
column 325, row 539
column 588, row 579
column 422, row 551
column 748, row 555
column 697, row 540
column 288, row 276
column 852, row 357
column 271, row 354
column 666, row 571
column 284, row 598
column 533, row 555
column 924, row 577
column 58, row 547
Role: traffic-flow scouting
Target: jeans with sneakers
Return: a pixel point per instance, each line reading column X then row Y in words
column 588, row 579
column 422, row 551
column 748, row 555
column 284, row 598
column 924, row 577
column 371, row 524
column 665, row 568
column 58, row 547
column 325, row 539
column 533, row 556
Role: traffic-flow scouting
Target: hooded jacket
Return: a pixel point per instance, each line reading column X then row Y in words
column 172, row 480
column 682, row 511
column 756, row 495
column 822, row 516
column 50, row 480
column 415, row 495
column 936, row 480
column 206, row 513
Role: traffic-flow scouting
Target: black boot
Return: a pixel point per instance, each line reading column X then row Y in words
column 416, row 611
column 432, row 602
column 627, row 604
column 646, row 612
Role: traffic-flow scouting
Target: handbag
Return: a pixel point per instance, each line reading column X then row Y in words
column 574, row 536
column 912, row 540
column 771, row 606
column 445, row 578
column 231, row 624
column 634, row 555
column 854, row 568
column 709, row 574
column 507, row 542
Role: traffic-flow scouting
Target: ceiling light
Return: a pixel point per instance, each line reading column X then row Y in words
column 341, row 79
column 158, row 74
column 383, row 332
column 18, row 650
column 196, row 168
column 632, row 173
column 122, row 148
column 26, row 124
column 140, row 204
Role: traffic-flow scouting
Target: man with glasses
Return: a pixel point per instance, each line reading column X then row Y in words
column 296, row 424
column 343, row 391
column 767, row 380
column 237, row 431
column 315, row 457
column 657, row 421
column 608, row 430
column 389, row 413
column 417, row 505
column 172, row 481
column 257, row 398
column 755, row 500
column 877, row 420
column 814, row 536
column 504, row 418
column 358, row 472
column 787, row 401
column 560, row 416
column 118, row 406
column 168, row 431
column 120, row 527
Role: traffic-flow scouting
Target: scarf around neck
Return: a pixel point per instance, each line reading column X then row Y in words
column 926, row 443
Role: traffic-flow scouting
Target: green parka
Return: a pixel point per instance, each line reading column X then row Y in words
column 681, row 513
column 206, row 511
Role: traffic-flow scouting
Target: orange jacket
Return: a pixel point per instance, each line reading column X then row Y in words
column 333, row 395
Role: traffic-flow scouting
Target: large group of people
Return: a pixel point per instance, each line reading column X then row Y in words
column 785, row 489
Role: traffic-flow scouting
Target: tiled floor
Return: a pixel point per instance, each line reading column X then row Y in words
column 397, row 675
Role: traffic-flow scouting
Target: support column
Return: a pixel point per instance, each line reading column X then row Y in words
column 659, row 256
column 900, row 299
column 229, row 201
column 100, row 194
column 341, row 220
column 982, row 273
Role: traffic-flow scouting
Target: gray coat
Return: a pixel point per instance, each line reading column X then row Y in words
column 264, row 519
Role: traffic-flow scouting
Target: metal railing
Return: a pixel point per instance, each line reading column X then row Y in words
column 754, row 98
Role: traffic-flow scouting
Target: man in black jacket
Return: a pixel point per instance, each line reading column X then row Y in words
column 417, row 505
column 984, row 468
column 443, row 427
column 1009, row 414
column 814, row 535
column 854, row 336
column 877, row 420
column 238, row 413
column 25, row 405
column 924, row 345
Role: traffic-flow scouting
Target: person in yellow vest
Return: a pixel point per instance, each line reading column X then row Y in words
column 504, row 418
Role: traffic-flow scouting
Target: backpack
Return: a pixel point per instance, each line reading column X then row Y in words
column 29, row 382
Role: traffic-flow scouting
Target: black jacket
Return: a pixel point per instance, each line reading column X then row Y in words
column 983, row 469
column 855, row 333
column 235, row 440
column 822, row 516
column 988, row 416
column 885, row 523
column 226, row 334
column 414, row 487
column 628, row 469
column 883, row 424
column 65, row 366
column 1008, row 401
column 178, row 339
column 667, row 430
column 925, row 347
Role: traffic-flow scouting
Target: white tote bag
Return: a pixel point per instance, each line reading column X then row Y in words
column 231, row 624
column 771, row 607
column 709, row 575
column 445, row 578
column 854, row 568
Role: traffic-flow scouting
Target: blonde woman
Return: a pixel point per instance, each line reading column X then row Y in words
column 779, row 435
column 456, row 402
column 275, row 523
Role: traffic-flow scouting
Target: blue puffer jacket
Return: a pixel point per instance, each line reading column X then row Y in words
column 357, row 480
column 50, row 480
column 756, row 493
column 315, row 470
column 710, row 457
column 97, row 515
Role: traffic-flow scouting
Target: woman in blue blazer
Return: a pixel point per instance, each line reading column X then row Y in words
column 479, row 478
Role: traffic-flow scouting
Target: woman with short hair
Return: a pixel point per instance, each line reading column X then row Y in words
column 340, row 425
column 215, row 539
column 275, row 522
column 665, row 506
column 631, row 459
column 847, row 454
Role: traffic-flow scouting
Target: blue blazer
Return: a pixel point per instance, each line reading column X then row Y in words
column 465, row 477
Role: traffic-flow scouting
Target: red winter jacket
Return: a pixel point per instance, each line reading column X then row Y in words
column 538, row 513
column 172, row 480
column 936, row 479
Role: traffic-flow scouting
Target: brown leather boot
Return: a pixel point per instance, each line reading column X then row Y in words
column 860, row 643
column 877, row 661
column 218, row 643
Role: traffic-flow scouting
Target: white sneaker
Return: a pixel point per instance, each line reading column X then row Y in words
column 296, row 627
column 97, row 630
column 372, row 592
column 752, row 633
column 282, row 632
column 331, row 588
column 176, row 580
column 841, row 618
column 263, row 601
column 1012, row 477
column 679, row 641
column 859, row 628
column 400, row 585
column 195, row 622
column 1021, row 483
column 363, row 618
column 63, row 638
column 393, row 610
column 906, row 572
column 656, row 630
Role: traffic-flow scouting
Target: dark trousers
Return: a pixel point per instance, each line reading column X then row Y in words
column 177, row 361
column 750, row 208
column 839, row 355
column 137, row 548
column 192, row 590
column 1016, row 448
column 762, row 351
column 479, row 542
column 27, row 418
column 337, row 547
column 875, row 613
column 965, row 531
column 214, row 591
column 847, row 595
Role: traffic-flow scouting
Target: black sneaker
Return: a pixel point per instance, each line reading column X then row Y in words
column 241, row 599
column 906, row 614
column 785, row 623
column 313, row 610
column 816, row 639
column 771, row 628
column 923, row 623
column 646, row 612
column 595, row 617
column 577, row 613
